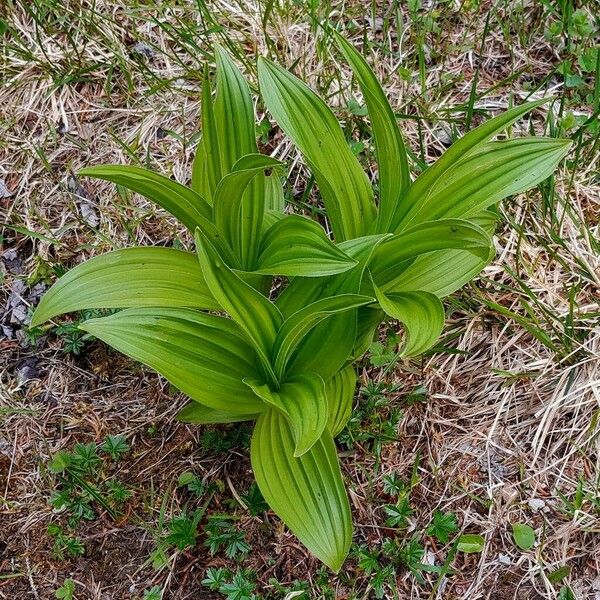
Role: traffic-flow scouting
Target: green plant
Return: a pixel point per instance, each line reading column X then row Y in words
column 523, row 535
column 81, row 484
column 239, row 586
column 64, row 544
column 287, row 362
column 115, row 446
column 66, row 591
column 154, row 593
column 222, row 534
column 183, row 530
column 442, row 526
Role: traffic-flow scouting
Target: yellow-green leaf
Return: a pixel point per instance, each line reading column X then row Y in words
column 205, row 356
column 132, row 277
column 306, row 492
column 183, row 203
column 311, row 125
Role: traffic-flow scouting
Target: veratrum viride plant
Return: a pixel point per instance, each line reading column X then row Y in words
column 205, row 320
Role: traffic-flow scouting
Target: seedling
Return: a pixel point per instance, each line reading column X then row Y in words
column 64, row 545
column 154, row 593
column 183, row 530
column 221, row 534
column 66, row 591
column 442, row 526
column 81, row 484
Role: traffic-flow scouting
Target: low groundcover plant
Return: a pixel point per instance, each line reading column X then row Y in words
column 287, row 362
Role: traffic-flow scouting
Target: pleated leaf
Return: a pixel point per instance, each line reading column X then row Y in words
column 209, row 152
column 228, row 131
column 132, row 277
column 492, row 172
column 422, row 315
column 313, row 128
column 339, row 391
column 198, row 414
column 394, row 176
column 238, row 214
column 328, row 345
column 204, row 356
column 302, row 400
column 307, row 493
column 395, row 253
column 274, row 197
column 183, row 203
column 445, row 271
column 419, row 191
column 296, row 246
column 233, row 113
column 296, row 327
column 255, row 314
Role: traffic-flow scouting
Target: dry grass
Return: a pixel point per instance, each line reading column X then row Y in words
column 510, row 423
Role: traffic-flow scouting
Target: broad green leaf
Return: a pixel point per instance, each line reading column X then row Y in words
column 228, row 131
column 296, row 246
column 394, row 176
column 418, row 193
column 194, row 412
column 440, row 273
column 328, row 345
column 208, row 230
column 205, row 356
column 422, row 315
column 446, row 271
column 489, row 173
column 274, row 197
column 183, row 203
column 307, row 493
column 302, row 400
column 297, row 326
column 238, row 214
column 313, row 128
column 301, row 292
column 470, row 543
column 132, row 277
column 199, row 181
column 235, row 123
column 255, row 314
column 392, row 256
column 339, row 391
column 524, row 536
